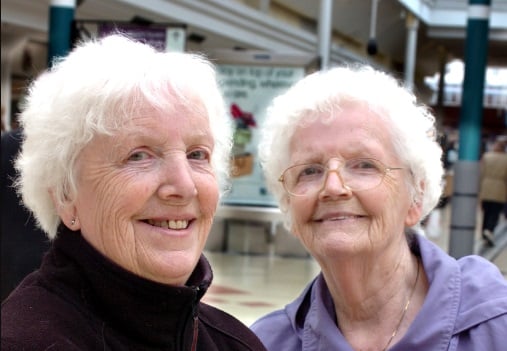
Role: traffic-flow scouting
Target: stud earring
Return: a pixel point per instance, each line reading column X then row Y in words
column 73, row 221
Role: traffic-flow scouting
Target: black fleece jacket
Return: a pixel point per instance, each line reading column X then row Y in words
column 80, row 300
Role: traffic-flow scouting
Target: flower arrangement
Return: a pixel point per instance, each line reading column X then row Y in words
column 243, row 133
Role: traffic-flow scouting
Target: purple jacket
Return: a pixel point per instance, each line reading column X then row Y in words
column 465, row 310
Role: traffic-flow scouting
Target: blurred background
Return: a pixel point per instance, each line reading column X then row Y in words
column 376, row 31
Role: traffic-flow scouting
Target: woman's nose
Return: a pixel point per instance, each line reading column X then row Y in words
column 177, row 181
column 333, row 184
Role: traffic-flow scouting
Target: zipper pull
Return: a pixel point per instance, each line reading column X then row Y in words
column 195, row 320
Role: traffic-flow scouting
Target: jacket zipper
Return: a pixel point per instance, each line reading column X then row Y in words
column 195, row 321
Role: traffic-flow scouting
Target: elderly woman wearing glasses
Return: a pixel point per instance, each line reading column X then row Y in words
column 356, row 167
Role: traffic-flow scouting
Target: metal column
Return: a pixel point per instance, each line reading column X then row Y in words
column 412, row 23
column 61, row 15
column 440, row 110
column 466, row 183
column 371, row 48
column 326, row 13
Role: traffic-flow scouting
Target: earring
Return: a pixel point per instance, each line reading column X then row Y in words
column 73, row 221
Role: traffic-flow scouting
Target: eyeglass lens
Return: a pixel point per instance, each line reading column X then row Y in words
column 356, row 174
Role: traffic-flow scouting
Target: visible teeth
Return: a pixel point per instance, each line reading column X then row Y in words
column 341, row 217
column 178, row 224
column 172, row 224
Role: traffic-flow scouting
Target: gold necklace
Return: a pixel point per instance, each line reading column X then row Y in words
column 405, row 309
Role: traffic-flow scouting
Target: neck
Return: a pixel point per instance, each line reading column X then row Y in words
column 368, row 281
column 371, row 301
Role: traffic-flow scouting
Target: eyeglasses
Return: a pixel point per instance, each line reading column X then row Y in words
column 357, row 174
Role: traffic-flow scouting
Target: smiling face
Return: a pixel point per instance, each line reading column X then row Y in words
column 336, row 220
column 147, row 195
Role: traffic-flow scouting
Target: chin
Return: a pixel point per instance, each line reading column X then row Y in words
column 173, row 267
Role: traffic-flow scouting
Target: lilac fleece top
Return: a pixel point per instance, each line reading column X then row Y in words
column 465, row 310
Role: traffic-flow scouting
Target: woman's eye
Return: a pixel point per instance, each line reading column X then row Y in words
column 366, row 164
column 138, row 156
column 198, row 155
column 363, row 165
column 310, row 171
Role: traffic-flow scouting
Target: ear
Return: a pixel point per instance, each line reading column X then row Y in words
column 67, row 212
column 414, row 212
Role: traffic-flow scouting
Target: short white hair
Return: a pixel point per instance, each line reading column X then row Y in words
column 325, row 93
column 94, row 90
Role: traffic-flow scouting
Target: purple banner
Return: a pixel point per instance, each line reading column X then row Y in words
column 155, row 36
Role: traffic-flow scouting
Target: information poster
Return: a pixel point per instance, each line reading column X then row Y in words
column 248, row 91
column 162, row 36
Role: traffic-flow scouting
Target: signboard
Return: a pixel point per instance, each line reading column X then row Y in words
column 163, row 37
column 248, row 90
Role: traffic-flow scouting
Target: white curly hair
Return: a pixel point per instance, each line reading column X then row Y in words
column 96, row 89
column 326, row 92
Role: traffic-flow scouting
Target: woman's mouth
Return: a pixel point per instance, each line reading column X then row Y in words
column 169, row 224
column 338, row 218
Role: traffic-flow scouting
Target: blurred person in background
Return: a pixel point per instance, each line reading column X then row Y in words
column 493, row 188
column 356, row 168
column 22, row 243
column 3, row 128
column 125, row 156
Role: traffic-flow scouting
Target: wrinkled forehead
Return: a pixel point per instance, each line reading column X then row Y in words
column 349, row 132
column 181, row 103
column 345, row 116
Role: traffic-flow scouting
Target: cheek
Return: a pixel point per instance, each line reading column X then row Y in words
column 385, row 195
column 207, row 190
column 390, row 203
column 301, row 210
column 111, row 197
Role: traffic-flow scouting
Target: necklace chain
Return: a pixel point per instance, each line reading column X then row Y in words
column 404, row 309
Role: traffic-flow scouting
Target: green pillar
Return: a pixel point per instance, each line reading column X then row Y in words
column 466, row 176
column 61, row 15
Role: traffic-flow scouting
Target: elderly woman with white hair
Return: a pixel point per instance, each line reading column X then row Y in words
column 356, row 168
column 125, row 156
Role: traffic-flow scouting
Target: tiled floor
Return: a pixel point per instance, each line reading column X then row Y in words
column 249, row 286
